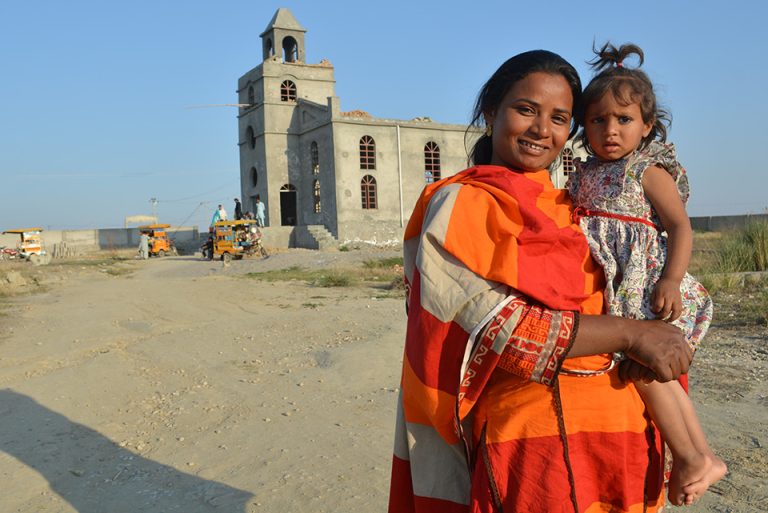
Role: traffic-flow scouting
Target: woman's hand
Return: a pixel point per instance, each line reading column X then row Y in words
column 630, row 370
column 660, row 347
column 656, row 345
column 666, row 301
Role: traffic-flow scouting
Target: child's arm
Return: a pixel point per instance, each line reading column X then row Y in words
column 661, row 190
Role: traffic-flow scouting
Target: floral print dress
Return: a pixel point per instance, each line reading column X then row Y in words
column 632, row 252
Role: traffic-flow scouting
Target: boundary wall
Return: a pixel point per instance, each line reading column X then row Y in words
column 188, row 238
column 723, row 223
column 105, row 238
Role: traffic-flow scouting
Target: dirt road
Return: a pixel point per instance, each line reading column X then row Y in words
column 182, row 385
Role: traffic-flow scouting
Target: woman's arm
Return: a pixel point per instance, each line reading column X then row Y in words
column 656, row 345
column 661, row 190
column 535, row 340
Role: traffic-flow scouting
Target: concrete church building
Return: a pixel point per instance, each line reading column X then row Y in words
column 315, row 166
column 312, row 164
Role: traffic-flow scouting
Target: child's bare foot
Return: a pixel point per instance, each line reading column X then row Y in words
column 716, row 471
column 691, row 477
column 685, row 472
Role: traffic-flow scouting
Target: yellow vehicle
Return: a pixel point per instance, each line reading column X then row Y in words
column 31, row 246
column 235, row 239
column 159, row 243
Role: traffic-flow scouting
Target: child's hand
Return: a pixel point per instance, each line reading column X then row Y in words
column 666, row 301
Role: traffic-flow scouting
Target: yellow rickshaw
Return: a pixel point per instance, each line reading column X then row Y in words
column 31, row 246
column 235, row 239
column 159, row 243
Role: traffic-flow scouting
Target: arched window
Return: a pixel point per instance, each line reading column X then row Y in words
column 368, row 191
column 316, row 195
column 431, row 162
column 287, row 91
column 270, row 48
column 250, row 137
column 254, row 176
column 290, row 50
column 251, row 97
column 367, row 152
column 568, row 165
column 315, row 158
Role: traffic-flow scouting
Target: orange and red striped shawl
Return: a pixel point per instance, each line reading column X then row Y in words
column 496, row 249
column 516, row 228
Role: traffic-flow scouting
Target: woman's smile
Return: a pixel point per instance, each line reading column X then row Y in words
column 534, row 148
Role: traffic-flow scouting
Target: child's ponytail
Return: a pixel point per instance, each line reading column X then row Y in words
column 611, row 57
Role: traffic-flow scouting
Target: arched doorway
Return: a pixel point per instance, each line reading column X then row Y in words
column 288, row 205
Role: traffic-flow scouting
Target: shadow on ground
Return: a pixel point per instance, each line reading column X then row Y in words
column 94, row 474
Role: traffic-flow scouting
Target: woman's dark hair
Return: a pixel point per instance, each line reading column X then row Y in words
column 628, row 86
column 508, row 74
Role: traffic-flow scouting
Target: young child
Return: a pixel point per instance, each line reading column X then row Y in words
column 630, row 198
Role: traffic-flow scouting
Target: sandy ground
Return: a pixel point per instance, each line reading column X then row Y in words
column 182, row 386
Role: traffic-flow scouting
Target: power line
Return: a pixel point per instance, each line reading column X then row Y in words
column 244, row 105
column 202, row 203
column 194, row 196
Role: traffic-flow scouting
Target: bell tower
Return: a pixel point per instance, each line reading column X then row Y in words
column 280, row 98
column 284, row 37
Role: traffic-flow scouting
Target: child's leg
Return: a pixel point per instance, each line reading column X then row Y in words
column 688, row 412
column 694, row 466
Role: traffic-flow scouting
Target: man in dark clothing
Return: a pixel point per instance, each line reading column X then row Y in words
column 238, row 210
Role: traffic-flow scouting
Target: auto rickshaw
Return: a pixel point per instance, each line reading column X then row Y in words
column 235, row 239
column 31, row 246
column 159, row 243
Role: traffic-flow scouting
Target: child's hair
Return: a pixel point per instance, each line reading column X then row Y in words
column 509, row 73
column 628, row 86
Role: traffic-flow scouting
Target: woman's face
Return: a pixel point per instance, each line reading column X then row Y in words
column 532, row 122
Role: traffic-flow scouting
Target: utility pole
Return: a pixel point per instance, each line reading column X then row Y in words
column 154, row 203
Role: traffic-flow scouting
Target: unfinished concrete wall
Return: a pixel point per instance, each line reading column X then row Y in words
column 723, row 223
column 288, row 237
column 399, row 172
column 105, row 238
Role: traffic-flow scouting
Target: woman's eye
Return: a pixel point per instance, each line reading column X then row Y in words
column 560, row 120
column 525, row 110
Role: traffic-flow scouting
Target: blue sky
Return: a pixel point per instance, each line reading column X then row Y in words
column 95, row 95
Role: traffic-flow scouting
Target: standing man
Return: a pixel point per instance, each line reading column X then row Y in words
column 144, row 246
column 261, row 211
column 238, row 210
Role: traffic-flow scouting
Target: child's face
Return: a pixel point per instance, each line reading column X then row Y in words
column 614, row 130
column 532, row 122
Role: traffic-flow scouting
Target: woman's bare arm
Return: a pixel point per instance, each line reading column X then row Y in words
column 656, row 345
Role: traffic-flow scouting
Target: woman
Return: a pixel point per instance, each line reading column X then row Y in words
column 504, row 312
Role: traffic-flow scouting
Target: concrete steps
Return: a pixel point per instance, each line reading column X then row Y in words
column 322, row 237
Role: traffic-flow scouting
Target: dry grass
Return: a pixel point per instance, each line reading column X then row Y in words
column 732, row 265
column 384, row 274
